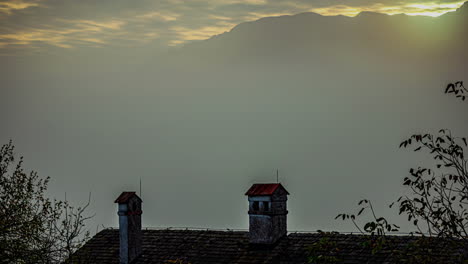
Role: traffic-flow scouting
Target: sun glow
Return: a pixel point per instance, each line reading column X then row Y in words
column 423, row 9
column 433, row 9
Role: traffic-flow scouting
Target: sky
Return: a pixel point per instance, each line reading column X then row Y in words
column 200, row 99
column 30, row 26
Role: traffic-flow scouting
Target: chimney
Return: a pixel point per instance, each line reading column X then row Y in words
column 129, row 226
column 267, row 213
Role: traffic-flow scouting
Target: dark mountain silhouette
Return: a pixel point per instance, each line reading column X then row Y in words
column 310, row 36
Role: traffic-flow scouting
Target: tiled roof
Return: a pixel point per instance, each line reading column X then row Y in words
column 125, row 196
column 264, row 189
column 210, row 247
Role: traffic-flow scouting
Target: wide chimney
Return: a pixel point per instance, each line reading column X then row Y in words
column 267, row 213
column 129, row 226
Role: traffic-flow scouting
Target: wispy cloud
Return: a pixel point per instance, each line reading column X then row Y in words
column 249, row 2
column 164, row 16
column 29, row 37
column 423, row 9
column 184, row 34
column 9, row 6
column 224, row 2
column 67, row 35
column 258, row 15
column 70, row 24
column 112, row 24
column 219, row 17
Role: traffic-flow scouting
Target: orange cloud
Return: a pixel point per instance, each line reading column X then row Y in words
column 8, row 7
column 423, row 9
column 176, row 23
column 88, row 31
column 163, row 16
column 185, row 34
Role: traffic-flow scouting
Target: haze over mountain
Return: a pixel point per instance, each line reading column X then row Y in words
column 308, row 36
column 326, row 100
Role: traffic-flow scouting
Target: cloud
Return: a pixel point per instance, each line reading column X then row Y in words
column 185, row 34
column 164, row 16
column 223, row 2
column 431, row 9
column 258, row 15
column 113, row 24
column 248, row 2
column 28, row 37
column 9, row 6
column 69, row 34
column 72, row 24
column 425, row 9
column 218, row 17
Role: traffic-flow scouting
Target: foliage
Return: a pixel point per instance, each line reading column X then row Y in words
column 439, row 196
column 34, row 228
column 437, row 202
column 377, row 227
column 457, row 89
column 324, row 251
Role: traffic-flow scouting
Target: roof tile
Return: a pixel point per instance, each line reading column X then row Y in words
column 264, row 189
column 215, row 247
column 125, row 196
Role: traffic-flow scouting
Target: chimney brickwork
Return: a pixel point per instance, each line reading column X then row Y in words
column 129, row 226
column 267, row 213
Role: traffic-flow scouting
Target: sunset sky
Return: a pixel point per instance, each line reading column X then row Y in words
column 33, row 25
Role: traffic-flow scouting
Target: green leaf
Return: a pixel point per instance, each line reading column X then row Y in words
column 360, row 211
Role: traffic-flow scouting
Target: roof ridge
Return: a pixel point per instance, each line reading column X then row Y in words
column 184, row 228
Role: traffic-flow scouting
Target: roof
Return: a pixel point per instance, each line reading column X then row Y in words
column 125, row 196
column 215, row 247
column 264, row 189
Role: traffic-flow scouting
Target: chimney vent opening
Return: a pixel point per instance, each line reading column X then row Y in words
column 256, row 206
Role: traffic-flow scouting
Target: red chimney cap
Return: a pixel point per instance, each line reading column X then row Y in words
column 264, row 189
column 125, row 196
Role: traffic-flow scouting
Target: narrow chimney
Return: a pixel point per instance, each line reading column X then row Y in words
column 267, row 213
column 129, row 226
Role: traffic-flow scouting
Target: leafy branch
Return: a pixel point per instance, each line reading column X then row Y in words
column 34, row 228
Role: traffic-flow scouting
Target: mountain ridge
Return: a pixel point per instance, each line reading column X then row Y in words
column 311, row 36
column 364, row 14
